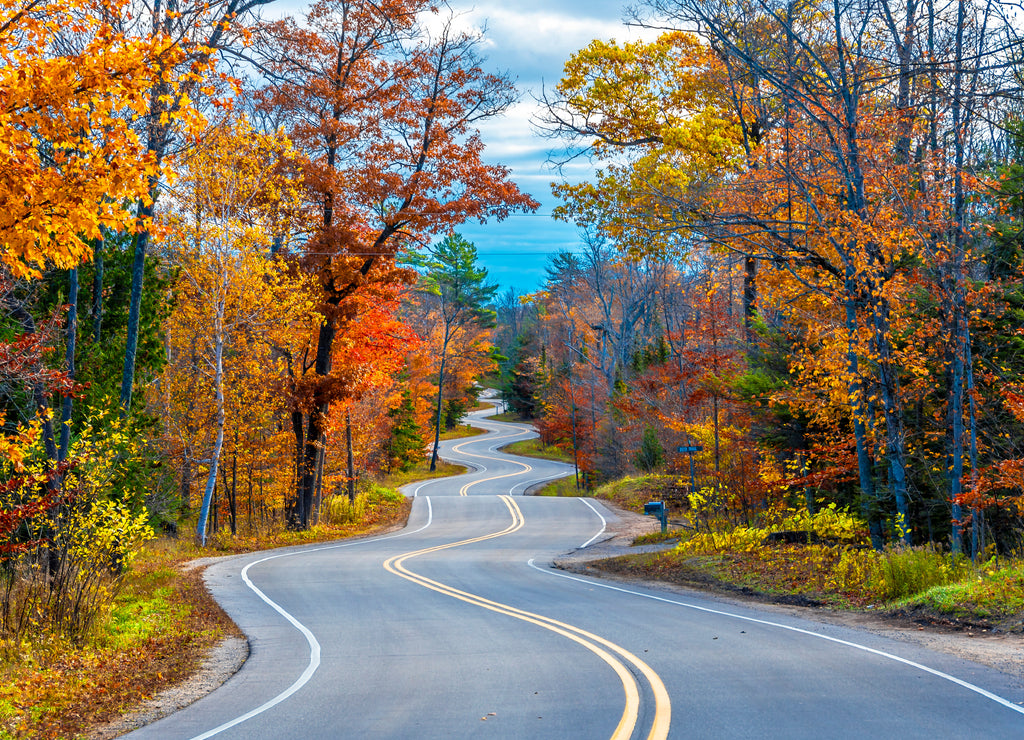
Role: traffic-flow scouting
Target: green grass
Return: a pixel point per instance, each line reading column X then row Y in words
column 992, row 593
column 139, row 613
column 908, row 571
column 421, row 472
column 562, row 487
column 654, row 538
column 535, row 448
column 462, row 430
column 632, row 492
column 508, row 416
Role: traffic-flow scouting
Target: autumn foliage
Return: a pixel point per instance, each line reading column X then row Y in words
column 230, row 248
column 827, row 259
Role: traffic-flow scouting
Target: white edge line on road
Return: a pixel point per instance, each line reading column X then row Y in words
column 314, row 646
column 604, row 524
column 422, row 483
column 959, row 682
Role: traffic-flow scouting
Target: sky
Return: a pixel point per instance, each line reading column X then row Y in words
column 531, row 40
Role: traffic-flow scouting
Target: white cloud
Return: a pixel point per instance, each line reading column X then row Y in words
column 534, row 43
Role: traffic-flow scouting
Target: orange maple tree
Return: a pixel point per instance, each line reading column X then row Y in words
column 73, row 162
column 386, row 121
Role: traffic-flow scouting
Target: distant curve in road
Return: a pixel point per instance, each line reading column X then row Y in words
column 492, row 472
column 455, row 628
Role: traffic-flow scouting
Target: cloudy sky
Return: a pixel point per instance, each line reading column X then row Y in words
column 530, row 39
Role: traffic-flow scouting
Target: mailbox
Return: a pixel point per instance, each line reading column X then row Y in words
column 657, row 508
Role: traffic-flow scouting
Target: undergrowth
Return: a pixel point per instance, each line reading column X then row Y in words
column 833, row 563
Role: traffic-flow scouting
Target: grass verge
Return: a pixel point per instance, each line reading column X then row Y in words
column 535, row 448
column 630, row 493
column 161, row 626
column 992, row 599
column 561, row 487
column 922, row 584
column 420, row 472
column 461, row 431
column 986, row 598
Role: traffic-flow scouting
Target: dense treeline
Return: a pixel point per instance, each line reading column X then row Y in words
column 213, row 311
column 803, row 255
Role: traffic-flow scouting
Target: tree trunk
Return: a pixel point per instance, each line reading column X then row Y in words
column 440, row 394
column 134, row 311
column 71, row 335
column 315, row 424
column 234, row 490
column 293, row 513
column 956, row 439
column 977, row 515
column 867, row 488
column 749, row 296
column 185, row 489
column 97, row 292
column 350, row 457
column 960, row 329
column 319, row 496
column 890, row 387
column 218, row 444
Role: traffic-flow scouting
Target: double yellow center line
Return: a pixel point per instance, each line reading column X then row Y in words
column 604, row 649
column 464, row 491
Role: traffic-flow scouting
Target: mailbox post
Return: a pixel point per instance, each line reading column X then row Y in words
column 657, row 508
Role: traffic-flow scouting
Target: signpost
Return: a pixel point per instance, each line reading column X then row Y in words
column 689, row 450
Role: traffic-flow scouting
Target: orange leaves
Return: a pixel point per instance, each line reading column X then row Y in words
column 72, row 160
column 374, row 342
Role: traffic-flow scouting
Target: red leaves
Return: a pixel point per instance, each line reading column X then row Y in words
column 22, row 360
column 38, row 499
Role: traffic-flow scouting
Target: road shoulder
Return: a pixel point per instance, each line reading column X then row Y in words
column 999, row 650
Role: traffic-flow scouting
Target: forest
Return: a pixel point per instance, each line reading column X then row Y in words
column 234, row 291
column 232, row 283
column 801, row 255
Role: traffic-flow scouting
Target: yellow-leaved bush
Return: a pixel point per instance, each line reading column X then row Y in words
column 836, row 558
column 66, row 540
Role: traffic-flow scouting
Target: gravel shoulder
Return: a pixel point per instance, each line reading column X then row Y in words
column 999, row 650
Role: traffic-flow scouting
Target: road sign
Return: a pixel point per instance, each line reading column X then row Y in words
column 691, row 450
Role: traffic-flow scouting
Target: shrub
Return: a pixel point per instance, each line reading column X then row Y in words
column 830, row 523
column 65, row 542
column 340, row 510
column 651, row 454
column 907, row 571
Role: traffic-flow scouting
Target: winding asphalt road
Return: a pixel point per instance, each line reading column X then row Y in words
column 457, row 627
